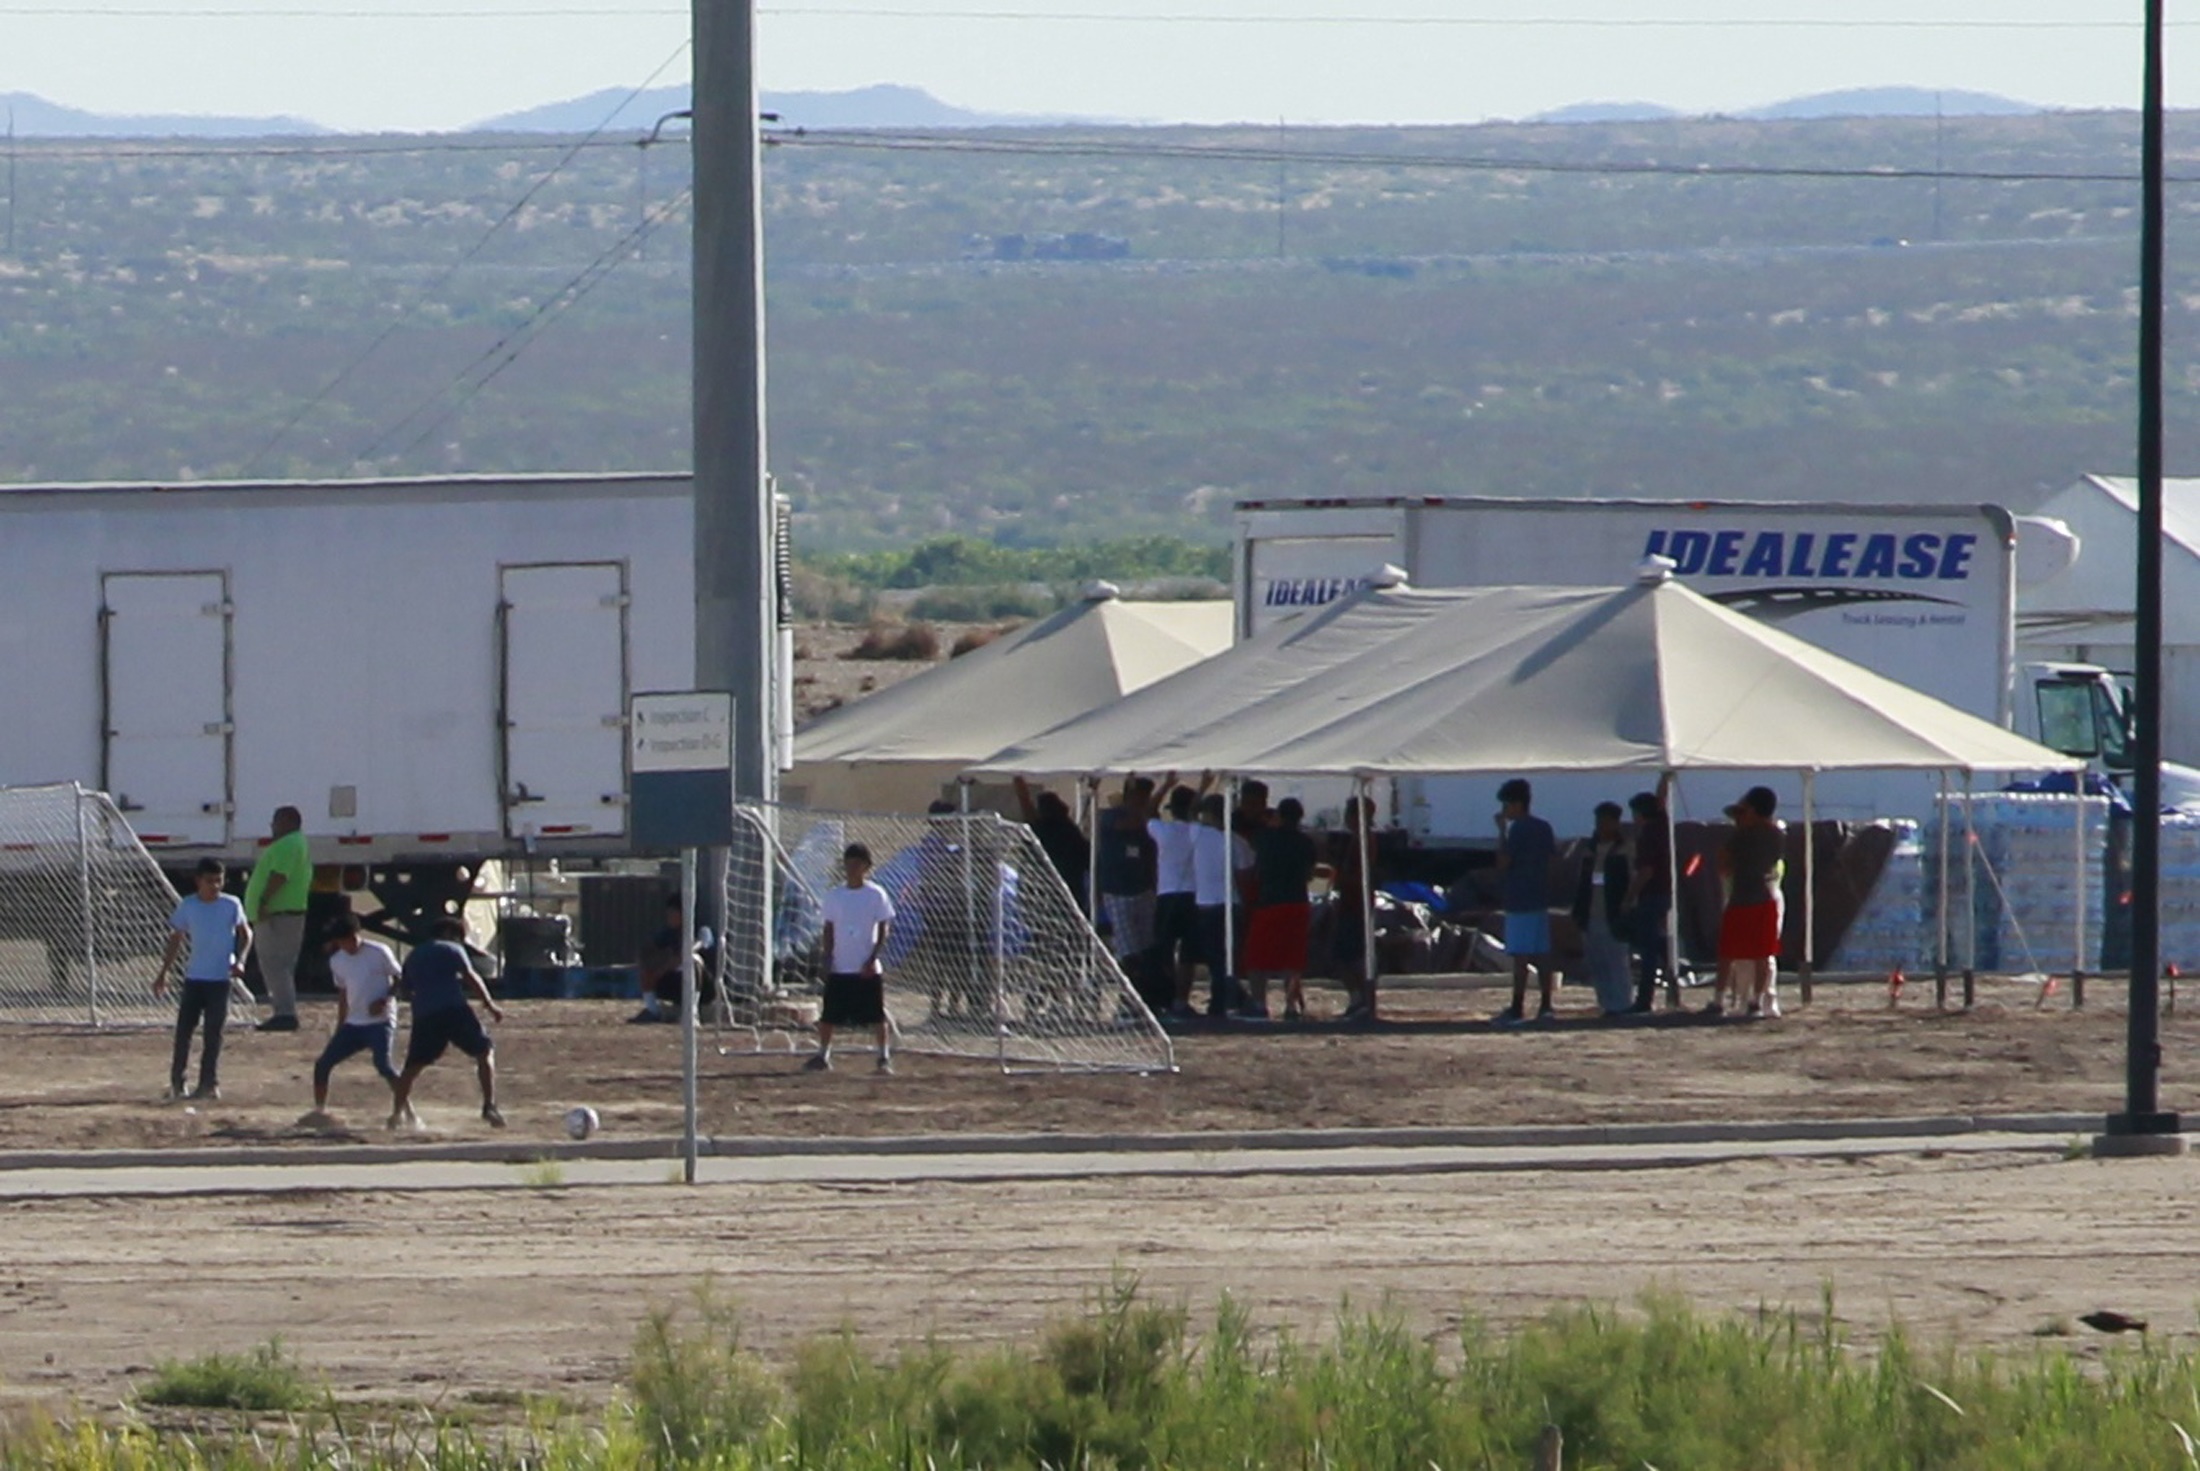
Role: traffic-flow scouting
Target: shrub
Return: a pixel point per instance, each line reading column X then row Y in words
column 898, row 641
column 264, row 1379
column 974, row 639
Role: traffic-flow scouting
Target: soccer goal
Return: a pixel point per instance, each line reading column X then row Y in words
column 988, row 957
column 83, row 911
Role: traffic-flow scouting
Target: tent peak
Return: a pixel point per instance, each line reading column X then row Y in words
column 1100, row 591
column 1653, row 570
column 1389, row 575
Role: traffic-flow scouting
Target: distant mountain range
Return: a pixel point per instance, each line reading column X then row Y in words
column 1855, row 102
column 890, row 106
column 882, row 106
column 35, row 117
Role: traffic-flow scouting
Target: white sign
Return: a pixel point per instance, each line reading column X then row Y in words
column 689, row 731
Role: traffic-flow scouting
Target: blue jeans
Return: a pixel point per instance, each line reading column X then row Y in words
column 351, row 1039
column 1646, row 933
column 207, row 1001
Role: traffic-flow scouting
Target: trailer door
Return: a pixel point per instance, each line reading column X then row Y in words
column 166, row 734
column 564, row 687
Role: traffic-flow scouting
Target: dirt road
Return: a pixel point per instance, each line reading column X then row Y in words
column 451, row 1295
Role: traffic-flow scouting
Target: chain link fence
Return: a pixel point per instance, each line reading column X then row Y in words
column 989, row 955
column 84, row 911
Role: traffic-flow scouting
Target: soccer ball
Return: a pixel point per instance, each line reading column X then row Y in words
column 581, row 1122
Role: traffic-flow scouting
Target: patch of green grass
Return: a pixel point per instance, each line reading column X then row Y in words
column 264, row 1379
column 543, row 1174
column 1130, row 1384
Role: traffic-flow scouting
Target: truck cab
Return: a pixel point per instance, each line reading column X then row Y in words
column 2082, row 710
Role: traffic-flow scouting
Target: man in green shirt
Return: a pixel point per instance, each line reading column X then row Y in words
column 275, row 903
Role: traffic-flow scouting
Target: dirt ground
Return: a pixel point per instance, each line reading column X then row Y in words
column 1438, row 1064
column 825, row 677
column 474, row 1298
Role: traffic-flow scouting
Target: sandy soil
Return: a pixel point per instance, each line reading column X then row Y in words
column 442, row 1295
column 476, row 1297
column 1847, row 1056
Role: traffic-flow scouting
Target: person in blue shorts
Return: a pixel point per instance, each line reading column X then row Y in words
column 212, row 924
column 1526, row 847
column 438, row 979
column 366, row 974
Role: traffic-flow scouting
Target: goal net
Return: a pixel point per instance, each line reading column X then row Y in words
column 83, row 911
column 989, row 955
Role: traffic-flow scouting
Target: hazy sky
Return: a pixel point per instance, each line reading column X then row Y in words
column 433, row 64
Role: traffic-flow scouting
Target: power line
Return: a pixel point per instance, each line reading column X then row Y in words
column 507, row 349
column 390, row 330
column 1099, row 17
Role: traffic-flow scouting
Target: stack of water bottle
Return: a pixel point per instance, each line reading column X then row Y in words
column 2026, row 886
column 1893, row 931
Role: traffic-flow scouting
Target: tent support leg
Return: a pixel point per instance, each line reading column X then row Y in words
column 1668, row 784
column 1807, row 969
column 1224, row 986
column 1970, row 898
column 1363, row 794
column 1940, row 941
column 2077, row 888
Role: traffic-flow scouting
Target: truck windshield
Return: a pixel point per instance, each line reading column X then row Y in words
column 2068, row 722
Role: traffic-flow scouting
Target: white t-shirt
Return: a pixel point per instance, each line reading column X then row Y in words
column 1172, row 842
column 366, row 978
column 1212, row 884
column 855, row 915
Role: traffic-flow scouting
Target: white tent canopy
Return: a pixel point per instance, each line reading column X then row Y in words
column 1651, row 677
column 894, row 750
column 2091, row 602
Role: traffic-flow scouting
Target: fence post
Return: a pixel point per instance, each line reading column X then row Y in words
column 91, row 919
column 1550, row 1450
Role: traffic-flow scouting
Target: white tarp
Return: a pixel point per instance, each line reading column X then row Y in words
column 892, row 751
column 1651, row 677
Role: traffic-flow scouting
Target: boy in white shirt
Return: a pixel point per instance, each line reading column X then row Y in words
column 858, row 915
column 365, row 972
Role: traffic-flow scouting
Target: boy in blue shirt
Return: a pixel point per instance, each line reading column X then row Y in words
column 438, row 979
column 212, row 924
column 1526, row 847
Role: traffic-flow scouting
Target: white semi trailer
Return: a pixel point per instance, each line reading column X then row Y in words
column 434, row 671
column 1923, row 595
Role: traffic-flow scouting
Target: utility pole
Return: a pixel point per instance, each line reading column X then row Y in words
column 2144, row 1127
column 734, row 614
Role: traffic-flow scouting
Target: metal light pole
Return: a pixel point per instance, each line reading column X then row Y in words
column 2144, row 1127
column 733, row 512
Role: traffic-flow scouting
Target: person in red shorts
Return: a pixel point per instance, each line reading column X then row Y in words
column 1751, row 863
column 1275, row 942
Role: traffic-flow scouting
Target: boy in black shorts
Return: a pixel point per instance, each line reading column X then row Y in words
column 857, row 917
column 437, row 979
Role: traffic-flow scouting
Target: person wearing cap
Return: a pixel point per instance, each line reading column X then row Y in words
column 1600, row 910
column 1650, row 897
column 1751, row 862
column 1526, row 847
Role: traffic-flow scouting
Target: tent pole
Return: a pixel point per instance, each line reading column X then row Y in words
column 1091, row 785
column 1940, row 941
column 2077, row 887
column 1970, row 897
column 1364, row 795
column 1810, row 883
column 1667, row 786
column 1222, row 984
